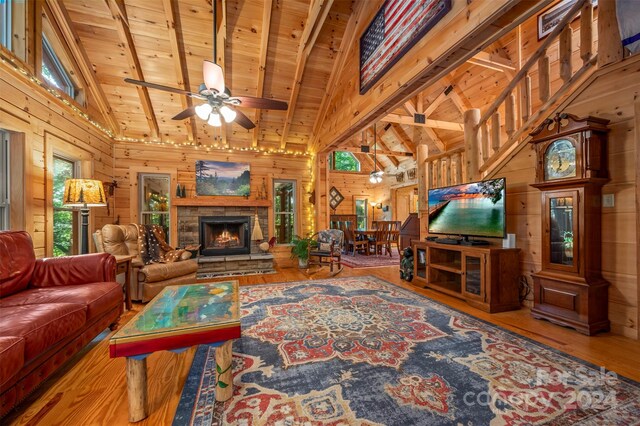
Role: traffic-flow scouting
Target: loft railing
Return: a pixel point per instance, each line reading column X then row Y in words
column 485, row 143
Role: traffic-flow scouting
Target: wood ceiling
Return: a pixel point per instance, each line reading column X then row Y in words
column 284, row 50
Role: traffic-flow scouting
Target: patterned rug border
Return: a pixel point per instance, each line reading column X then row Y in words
column 347, row 257
column 187, row 399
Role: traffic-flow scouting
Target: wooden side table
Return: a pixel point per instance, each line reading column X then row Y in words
column 123, row 266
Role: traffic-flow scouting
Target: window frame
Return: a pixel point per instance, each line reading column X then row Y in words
column 365, row 200
column 51, row 60
column 141, row 203
column 5, row 182
column 332, row 160
column 7, row 24
column 293, row 212
column 75, row 222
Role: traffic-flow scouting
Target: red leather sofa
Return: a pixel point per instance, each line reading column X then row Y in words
column 49, row 310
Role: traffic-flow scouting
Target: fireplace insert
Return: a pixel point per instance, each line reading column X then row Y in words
column 224, row 235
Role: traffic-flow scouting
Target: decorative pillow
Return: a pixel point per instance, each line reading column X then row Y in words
column 324, row 247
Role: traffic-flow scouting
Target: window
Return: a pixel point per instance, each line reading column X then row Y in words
column 344, row 161
column 5, row 24
column 361, row 214
column 4, row 181
column 53, row 71
column 64, row 218
column 154, row 200
column 284, row 205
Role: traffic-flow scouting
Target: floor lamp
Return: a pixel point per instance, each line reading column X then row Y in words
column 84, row 193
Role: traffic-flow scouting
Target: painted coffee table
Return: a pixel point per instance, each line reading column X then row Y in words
column 177, row 318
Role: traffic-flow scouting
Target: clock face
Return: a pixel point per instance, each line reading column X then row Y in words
column 560, row 160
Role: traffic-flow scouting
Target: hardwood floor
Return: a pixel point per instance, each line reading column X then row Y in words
column 91, row 390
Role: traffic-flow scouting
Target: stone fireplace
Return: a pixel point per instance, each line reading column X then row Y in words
column 224, row 235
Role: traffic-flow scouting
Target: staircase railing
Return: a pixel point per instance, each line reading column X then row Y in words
column 493, row 145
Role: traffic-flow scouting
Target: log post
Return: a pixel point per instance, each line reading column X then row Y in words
column 495, row 132
column 544, row 69
column 510, row 115
column 586, row 32
column 526, row 98
column 422, row 152
column 565, row 53
column 437, row 173
column 472, row 142
column 609, row 43
column 458, row 169
column 446, row 171
column 137, row 389
column 224, row 371
column 485, row 141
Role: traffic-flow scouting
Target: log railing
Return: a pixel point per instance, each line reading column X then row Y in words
column 445, row 169
column 485, row 136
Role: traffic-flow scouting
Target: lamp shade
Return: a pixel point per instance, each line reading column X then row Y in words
column 83, row 193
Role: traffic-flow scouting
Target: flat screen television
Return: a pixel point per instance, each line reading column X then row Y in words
column 475, row 209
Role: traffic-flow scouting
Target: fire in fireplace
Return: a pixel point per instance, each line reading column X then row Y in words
column 224, row 235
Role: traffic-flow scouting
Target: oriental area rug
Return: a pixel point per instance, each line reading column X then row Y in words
column 362, row 351
column 372, row 261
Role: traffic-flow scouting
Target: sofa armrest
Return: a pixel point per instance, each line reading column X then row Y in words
column 163, row 271
column 70, row 270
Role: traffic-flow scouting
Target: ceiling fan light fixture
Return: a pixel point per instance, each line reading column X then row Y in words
column 203, row 111
column 214, row 119
column 227, row 113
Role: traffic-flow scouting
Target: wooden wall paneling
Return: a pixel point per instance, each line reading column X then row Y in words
column 17, row 148
column 262, row 64
column 636, row 105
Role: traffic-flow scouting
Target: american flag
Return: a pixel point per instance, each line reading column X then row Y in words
column 393, row 31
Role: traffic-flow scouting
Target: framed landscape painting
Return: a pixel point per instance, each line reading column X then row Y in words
column 222, row 178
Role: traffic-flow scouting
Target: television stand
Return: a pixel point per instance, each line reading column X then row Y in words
column 467, row 242
column 452, row 241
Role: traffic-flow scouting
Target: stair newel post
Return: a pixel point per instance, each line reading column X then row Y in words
column 472, row 143
column 609, row 43
column 526, row 98
column 586, row 32
column 495, row 132
column 485, row 141
column 544, row 69
column 565, row 53
column 510, row 114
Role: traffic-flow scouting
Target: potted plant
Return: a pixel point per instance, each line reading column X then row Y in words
column 300, row 250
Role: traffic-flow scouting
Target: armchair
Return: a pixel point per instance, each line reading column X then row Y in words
column 146, row 280
column 327, row 249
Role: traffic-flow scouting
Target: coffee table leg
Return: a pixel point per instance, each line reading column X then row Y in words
column 137, row 389
column 224, row 373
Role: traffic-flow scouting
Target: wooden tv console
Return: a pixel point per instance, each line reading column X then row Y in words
column 485, row 276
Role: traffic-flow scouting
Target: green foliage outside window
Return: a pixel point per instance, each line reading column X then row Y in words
column 62, row 217
column 344, row 161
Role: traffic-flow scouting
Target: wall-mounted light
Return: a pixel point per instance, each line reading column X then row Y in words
column 375, row 205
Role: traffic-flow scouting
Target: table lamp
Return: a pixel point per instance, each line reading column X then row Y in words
column 84, row 193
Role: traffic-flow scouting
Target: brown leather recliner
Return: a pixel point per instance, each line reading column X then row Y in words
column 147, row 280
column 49, row 310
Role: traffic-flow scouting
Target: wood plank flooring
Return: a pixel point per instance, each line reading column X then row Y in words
column 91, row 390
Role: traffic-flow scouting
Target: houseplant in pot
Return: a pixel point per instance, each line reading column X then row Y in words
column 300, row 250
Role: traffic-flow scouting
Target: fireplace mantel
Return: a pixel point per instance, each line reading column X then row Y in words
column 219, row 201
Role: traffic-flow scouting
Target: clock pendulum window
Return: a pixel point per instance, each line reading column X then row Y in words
column 572, row 167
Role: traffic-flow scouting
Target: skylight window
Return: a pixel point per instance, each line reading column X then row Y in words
column 53, row 71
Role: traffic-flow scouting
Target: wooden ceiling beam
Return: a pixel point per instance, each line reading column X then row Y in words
column 348, row 39
column 402, row 136
column 318, row 12
column 437, row 124
column 410, row 107
column 457, row 95
column 391, row 155
column 386, row 152
column 492, row 61
column 262, row 65
column 443, row 96
column 435, row 139
column 119, row 14
column 172, row 13
column 221, row 38
column 62, row 18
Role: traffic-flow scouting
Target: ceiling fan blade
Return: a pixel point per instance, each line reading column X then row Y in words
column 165, row 88
column 243, row 120
column 213, row 76
column 262, row 103
column 185, row 114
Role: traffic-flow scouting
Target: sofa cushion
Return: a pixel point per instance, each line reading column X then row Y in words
column 18, row 261
column 41, row 326
column 11, row 357
column 97, row 297
column 120, row 239
column 164, row 271
column 74, row 270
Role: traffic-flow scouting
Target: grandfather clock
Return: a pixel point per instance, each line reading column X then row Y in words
column 571, row 168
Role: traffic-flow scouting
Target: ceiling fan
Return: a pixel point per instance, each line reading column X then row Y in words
column 217, row 96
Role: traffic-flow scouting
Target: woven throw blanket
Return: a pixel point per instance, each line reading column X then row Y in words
column 153, row 245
